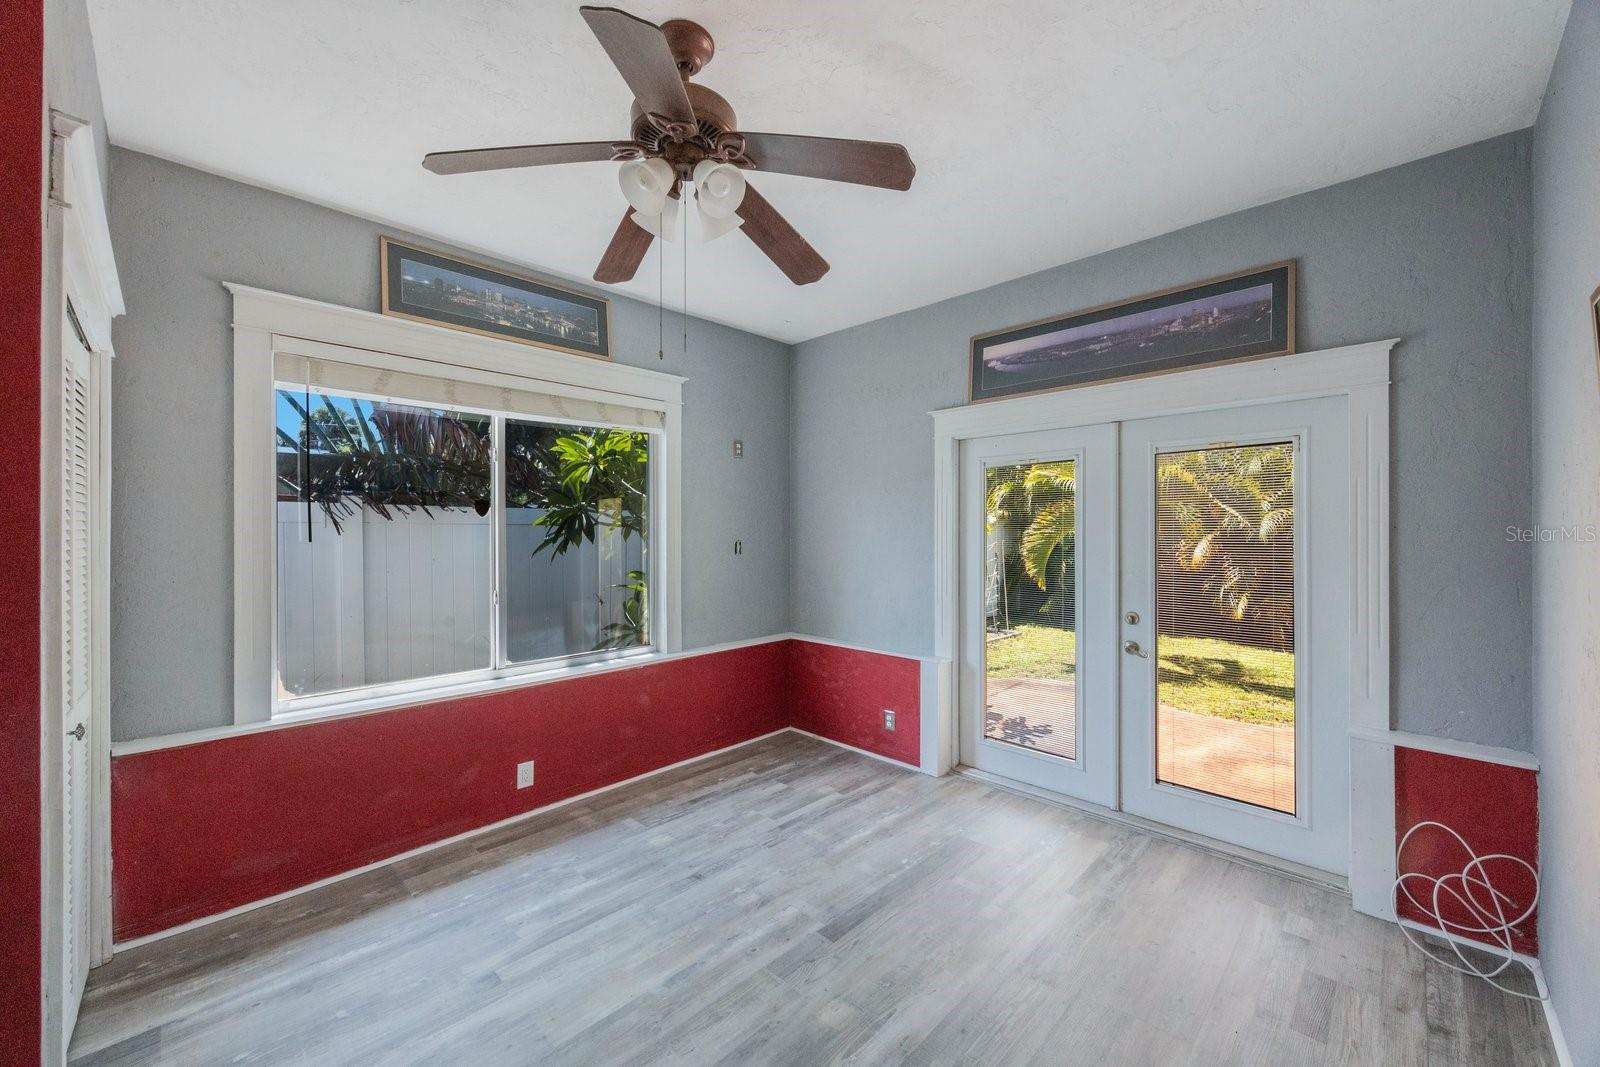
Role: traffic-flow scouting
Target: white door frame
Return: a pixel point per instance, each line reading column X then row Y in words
column 1358, row 372
column 78, row 265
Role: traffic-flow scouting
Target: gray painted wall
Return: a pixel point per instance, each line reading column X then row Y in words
column 1566, row 493
column 179, row 234
column 1432, row 252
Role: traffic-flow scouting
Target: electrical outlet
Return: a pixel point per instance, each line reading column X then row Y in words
column 888, row 719
column 738, row 548
column 525, row 775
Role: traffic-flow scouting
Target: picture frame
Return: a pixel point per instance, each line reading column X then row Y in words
column 1228, row 319
column 426, row 285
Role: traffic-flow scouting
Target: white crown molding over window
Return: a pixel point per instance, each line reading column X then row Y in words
column 1359, row 373
column 268, row 327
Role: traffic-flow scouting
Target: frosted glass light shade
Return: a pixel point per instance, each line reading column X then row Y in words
column 646, row 183
column 663, row 225
column 712, row 227
column 719, row 187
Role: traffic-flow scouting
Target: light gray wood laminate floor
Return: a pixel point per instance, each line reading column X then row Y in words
column 791, row 902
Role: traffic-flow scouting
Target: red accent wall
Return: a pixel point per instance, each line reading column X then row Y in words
column 206, row 827
column 840, row 693
column 22, row 245
column 1495, row 807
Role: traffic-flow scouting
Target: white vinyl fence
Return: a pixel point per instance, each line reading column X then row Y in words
column 409, row 596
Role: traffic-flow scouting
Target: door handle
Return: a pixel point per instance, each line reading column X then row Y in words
column 1132, row 648
column 77, row 732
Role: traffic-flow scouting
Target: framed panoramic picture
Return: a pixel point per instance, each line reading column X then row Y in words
column 429, row 286
column 1222, row 320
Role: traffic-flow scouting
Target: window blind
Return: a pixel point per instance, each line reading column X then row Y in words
column 417, row 388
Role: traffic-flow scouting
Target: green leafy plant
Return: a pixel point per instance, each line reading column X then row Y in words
column 1228, row 516
column 594, row 483
column 631, row 630
column 1040, row 499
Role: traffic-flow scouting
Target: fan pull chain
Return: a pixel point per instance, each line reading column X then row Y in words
column 684, row 237
column 661, row 300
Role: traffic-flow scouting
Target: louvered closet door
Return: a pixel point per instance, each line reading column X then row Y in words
column 77, row 665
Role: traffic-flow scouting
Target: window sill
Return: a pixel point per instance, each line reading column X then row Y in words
column 454, row 687
column 325, row 709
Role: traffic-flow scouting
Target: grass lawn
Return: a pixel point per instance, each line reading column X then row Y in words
column 1199, row 674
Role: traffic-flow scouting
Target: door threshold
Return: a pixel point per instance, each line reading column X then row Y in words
column 1237, row 853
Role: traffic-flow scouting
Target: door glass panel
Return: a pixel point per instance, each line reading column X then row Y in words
column 1030, row 606
column 1225, row 690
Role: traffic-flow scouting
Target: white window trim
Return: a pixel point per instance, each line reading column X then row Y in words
column 266, row 323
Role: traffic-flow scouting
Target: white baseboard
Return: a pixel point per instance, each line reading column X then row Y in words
column 1530, row 962
column 206, row 920
column 891, row 761
column 1557, row 1038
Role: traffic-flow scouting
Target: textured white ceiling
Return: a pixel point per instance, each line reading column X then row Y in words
column 1043, row 131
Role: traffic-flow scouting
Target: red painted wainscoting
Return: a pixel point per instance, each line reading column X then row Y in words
column 21, row 277
column 1494, row 806
column 840, row 693
column 206, row 827
column 198, row 829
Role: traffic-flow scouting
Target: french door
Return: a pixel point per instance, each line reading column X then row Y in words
column 1039, row 672
column 1156, row 619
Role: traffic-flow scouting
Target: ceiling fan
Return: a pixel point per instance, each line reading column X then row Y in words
column 683, row 132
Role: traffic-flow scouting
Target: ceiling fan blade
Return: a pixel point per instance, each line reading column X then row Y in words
column 522, row 155
column 625, row 252
column 772, row 234
column 887, row 166
column 639, row 50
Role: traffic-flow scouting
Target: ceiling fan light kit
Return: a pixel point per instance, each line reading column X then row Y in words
column 681, row 131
